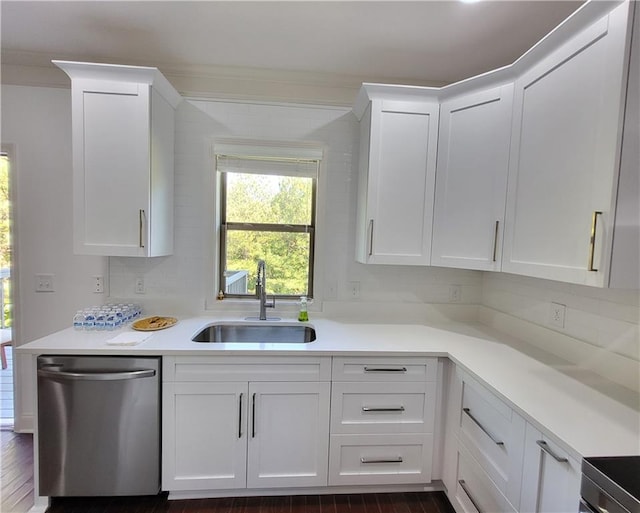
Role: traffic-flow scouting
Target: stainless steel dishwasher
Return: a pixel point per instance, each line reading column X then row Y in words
column 98, row 425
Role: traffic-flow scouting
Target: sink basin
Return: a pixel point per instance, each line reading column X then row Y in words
column 256, row 333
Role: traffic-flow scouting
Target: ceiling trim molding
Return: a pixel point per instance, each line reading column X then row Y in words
column 224, row 82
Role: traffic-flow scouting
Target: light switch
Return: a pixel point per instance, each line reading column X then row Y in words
column 44, row 283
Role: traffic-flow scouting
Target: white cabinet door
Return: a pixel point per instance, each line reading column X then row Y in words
column 551, row 477
column 288, row 434
column 471, row 179
column 397, row 175
column 112, row 160
column 563, row 170
column 123, row 146
column 204, row 436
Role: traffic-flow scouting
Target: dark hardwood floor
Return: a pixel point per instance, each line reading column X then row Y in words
column 17, row 496
column 16, row 475
column 421, row 502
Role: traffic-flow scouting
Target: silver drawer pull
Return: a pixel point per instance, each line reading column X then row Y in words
column 545, row 447
column 484, row 430
column 382, row 408
column 385, row 369
column 463, row 485
column 397, row 459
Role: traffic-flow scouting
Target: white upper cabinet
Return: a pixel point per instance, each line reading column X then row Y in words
column 565, row 156
column 471, row 179
column 397, row 175
column 123, row 151
column 625, row 255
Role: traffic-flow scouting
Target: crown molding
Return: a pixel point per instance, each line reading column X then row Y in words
column 220, row 82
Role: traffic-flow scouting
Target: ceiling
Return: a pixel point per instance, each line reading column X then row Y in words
column 415, row 42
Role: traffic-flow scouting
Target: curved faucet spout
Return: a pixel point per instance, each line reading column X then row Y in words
column 261, row 290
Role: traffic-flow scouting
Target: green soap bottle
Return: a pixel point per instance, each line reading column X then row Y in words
column 303, row 316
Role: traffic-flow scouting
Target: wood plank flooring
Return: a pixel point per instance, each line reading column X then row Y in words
column 17, row 472
column 421, row 502
column 17, row 495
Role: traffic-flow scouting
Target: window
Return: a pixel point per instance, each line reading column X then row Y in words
column 267, row 212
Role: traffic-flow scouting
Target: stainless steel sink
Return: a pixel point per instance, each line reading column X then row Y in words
column 256, row 333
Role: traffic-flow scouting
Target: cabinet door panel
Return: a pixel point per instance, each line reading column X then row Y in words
column 289, row 434
column 115, row 164
column 401, row 181
column 471, row 179
column 204, row 436
column 565, row 152
column 549, row 484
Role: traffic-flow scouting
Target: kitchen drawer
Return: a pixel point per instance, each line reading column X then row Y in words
column 494, row 435
column 245, row 368
column 475, row 491
column 384, row 369
column 380, row 459
column 383, row 407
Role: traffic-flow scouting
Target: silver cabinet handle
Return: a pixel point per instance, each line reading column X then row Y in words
column 370, row 237
column 484, row 430
column 396, row 459
column 592, row 240
column 240, row 417
column 253, row 416
column 96, row 376
column 495, row 242
column 382, row 408
column 545, row 447
column 385, row 369
column 140, row 225
column 463, row 485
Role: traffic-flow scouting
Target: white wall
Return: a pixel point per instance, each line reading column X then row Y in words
column 37, row 123
column 179, row 277
column 601, row 330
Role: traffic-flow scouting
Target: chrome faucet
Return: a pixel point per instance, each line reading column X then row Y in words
column 261, row 291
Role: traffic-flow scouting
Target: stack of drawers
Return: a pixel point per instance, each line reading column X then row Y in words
column 489, row 451
column 382, row 420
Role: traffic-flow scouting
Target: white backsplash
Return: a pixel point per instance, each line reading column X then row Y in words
column 601, row 330
column 183, row 277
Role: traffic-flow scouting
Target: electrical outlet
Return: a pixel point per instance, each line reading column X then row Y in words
column 354, row 289
column 139, row 287
column 98, row 284
column 455, row 293
column 556, row 315
column 44, row 283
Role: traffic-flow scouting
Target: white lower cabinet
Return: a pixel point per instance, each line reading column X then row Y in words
column 289, row 435
column 382, row 420
column 551, row 476
column 204, row 436
column 474, row 490
column 281, row 422
column 237, row 434
column 484, row 448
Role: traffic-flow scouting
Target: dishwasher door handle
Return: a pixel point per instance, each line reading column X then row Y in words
column 96, row 376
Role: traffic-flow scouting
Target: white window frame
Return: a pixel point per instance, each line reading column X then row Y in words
column 279, row 154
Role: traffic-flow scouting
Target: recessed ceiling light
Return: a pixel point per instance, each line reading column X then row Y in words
column 470, row 1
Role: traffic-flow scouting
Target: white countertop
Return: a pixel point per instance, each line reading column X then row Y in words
column 556, row 397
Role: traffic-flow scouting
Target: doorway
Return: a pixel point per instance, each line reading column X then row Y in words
column 6, row 293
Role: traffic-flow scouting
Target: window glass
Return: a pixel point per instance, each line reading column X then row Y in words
column 267, row 217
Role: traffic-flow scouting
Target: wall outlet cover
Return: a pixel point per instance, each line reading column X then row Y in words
column 44, row 283
column 556, row 315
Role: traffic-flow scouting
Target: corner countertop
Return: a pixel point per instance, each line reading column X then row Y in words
column 555, row 397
